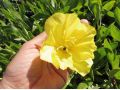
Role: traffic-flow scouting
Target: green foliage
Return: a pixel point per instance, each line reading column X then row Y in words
column 117, row 17
column 21, row 20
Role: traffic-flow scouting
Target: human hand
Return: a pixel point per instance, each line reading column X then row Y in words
column 26, row 70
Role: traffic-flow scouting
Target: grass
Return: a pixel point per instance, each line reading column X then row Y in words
column 21, row 20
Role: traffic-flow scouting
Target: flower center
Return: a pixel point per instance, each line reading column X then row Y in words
column 64, row 48
column 62, row 52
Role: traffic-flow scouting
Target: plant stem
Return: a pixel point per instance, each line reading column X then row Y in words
column 69, row 79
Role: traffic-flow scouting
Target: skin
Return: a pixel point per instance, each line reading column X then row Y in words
column 26, row 70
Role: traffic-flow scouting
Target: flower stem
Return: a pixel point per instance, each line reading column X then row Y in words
column 69, row 79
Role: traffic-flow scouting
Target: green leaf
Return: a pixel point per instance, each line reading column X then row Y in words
column 95, row 8
column 109, row 5
column 103, row 32
column 82, row 86
column 3, row 59
column 115, row 32
column 102, row 53
column 114, row 45
column 65, row 9
column 116, row 62
column 117, row 15
column 107, row 45
column 113, row 60
column 111, row 57
column 115, row 73
column 78, row 7
column 110, row 13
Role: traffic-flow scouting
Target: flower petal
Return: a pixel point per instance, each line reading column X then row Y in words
column 46, row 53
column 84, row 51
column 55, row 25
column 83, row 67
column 81, row 33
column 64, row 63
column 64, row 60
column 51, row 55
column 84, row 44
column 50, row 40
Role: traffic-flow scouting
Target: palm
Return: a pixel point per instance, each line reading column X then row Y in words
column 26, row 70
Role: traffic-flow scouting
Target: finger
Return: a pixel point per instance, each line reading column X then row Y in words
column 84, row 21
column 38, row 40
column 62, row 73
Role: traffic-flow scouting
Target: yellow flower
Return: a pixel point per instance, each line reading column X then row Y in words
column 70, row 43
